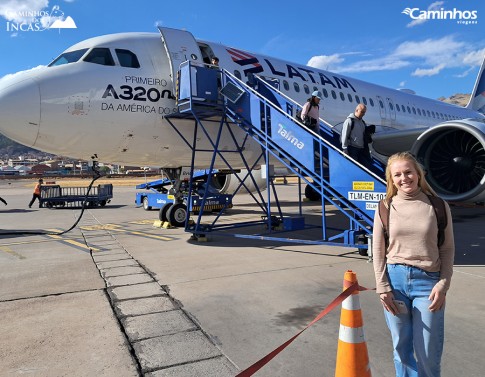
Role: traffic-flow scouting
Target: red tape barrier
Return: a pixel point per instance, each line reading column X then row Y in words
column 336, row 302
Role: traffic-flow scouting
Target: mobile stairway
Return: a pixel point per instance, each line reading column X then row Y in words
column 217, row 100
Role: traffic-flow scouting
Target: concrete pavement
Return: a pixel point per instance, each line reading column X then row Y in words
column 117, row 296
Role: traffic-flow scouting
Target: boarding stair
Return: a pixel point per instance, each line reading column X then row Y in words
column 267, row 116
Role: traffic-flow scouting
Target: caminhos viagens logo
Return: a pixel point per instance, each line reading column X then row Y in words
column 468, row 17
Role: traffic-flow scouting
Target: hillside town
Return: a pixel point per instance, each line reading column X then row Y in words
column 18, row 160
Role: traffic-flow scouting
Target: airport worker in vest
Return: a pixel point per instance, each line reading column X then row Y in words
column 36, row 194
column 311, row 111
column 353, row 132
column 413, row 265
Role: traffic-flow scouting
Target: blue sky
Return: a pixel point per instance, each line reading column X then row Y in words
column 372, row 41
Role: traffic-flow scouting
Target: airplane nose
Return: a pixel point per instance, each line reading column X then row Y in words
column 20, row 110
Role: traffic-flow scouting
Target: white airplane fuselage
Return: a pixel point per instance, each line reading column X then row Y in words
column 117, row 112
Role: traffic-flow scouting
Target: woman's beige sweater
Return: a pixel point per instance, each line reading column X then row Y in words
column 413, row 233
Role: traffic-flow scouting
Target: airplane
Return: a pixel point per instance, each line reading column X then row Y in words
column 109, row 97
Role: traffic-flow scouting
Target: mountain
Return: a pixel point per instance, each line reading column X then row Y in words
column 457, row 99
column 11, row 149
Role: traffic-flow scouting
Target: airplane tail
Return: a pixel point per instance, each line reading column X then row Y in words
column 477, row 99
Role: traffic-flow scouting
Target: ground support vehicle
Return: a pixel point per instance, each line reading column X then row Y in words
column 172, row 209
column 59, row 197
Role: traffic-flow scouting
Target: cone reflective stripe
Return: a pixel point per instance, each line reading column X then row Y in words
column 352, row 356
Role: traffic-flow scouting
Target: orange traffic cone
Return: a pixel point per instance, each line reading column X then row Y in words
column 352, row 356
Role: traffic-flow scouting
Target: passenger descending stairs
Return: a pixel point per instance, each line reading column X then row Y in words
column 267, row 116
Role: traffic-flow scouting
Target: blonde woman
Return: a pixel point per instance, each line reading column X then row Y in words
column 412, row 269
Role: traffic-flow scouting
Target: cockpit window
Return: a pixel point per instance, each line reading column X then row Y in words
column 127, row 58
column 68, row 57
column 100, row 56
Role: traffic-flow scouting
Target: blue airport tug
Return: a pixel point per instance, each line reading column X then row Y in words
column 156, row 195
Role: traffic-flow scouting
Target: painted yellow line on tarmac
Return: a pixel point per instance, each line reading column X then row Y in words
column 11, row 252
column 25, row 242
column 143, row 234
column 148, row 235
column 141, row 222
column 79, row 244
column 70, row 241
column 101, row 227
column 118, row 228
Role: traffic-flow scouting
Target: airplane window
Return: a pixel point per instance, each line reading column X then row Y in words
column 297, row 87
column 315, row 88
column 381, row 104
column 100, row 56
column 286, row 85
column 429, row 115
column 237, row 74
column 414, row 111
column 127, row 58
column 397, row 107
column 419, row 112
column 371, row 101
column 357, row 99
column 364, row 100
column 306, row 88
column 390, row 106
column 334, row 95
column 325, row 93
column 68, row 57
column 349, row 97
column 409, row 110
column 342, row 97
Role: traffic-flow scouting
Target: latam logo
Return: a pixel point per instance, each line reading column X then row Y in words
column 245, row 60
column 288, row 135
column 442, row 14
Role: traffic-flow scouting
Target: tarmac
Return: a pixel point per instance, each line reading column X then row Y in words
column 118, row 296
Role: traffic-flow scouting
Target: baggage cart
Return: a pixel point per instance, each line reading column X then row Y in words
column 55, row 196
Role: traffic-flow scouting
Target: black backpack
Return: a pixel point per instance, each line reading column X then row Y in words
column 307, row 122
column 439, row 210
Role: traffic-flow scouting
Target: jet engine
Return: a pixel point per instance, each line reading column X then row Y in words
column 227, row 183
column 453, row 155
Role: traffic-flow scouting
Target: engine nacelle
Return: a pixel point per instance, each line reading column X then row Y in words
column 227, row 184
column 453, row 154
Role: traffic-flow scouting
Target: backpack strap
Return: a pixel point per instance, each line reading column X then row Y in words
column 441, row 218
column 384, row 211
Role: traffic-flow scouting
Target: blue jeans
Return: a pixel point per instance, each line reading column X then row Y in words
column 417, row 336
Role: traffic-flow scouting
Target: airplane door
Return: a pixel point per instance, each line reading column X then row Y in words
column 382, row 107
column 180, row 46
column 392, row 109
